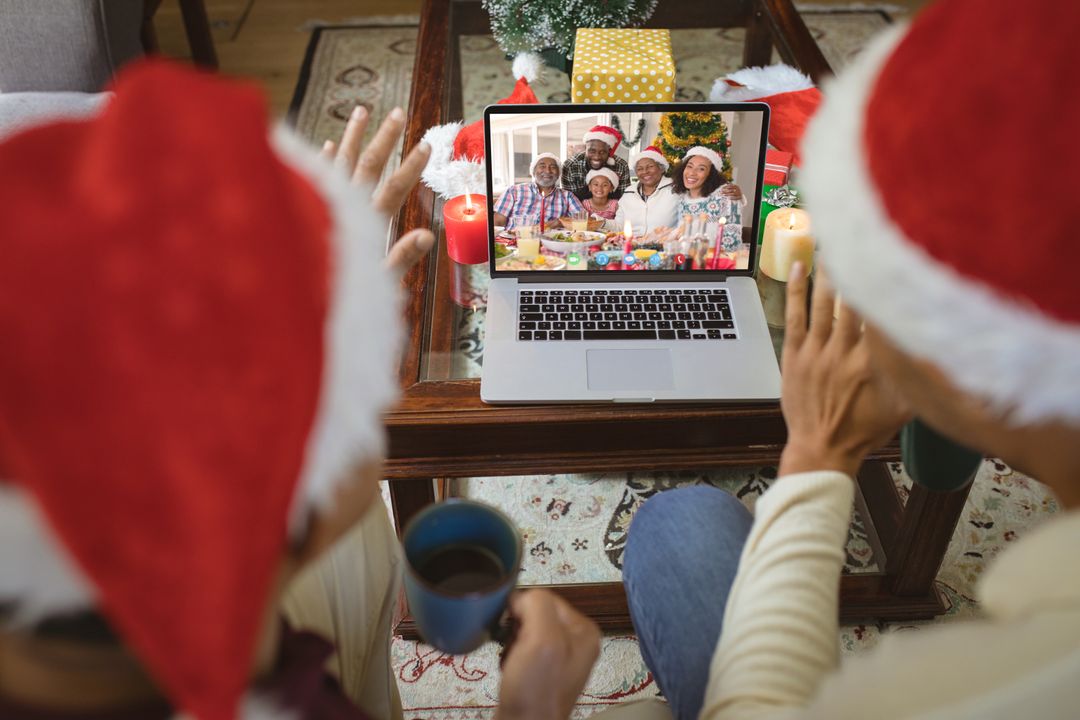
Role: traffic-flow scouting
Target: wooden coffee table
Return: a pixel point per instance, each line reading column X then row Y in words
column 442, row 430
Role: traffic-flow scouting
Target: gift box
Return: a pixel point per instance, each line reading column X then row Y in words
column 618, row 66
column 777, row 167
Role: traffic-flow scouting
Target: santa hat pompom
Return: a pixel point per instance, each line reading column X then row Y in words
column 528, row 66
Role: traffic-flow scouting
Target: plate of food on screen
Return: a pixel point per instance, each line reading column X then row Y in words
column 591, row 224
column 538, row 262
column 564, row 241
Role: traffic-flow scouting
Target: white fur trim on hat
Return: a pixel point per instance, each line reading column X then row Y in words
column 611, row 175
column 448, row 177
column 541, row 156
column 653, row 155
column 359, row 381
column 608, row 138
column 1016, row 358
column 359, row 376
column 707, row 153
column 759, row 82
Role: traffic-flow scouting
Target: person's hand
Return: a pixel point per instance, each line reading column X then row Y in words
column 545, row 669
column 365, row 167
column 836, row 407
column 732, row 191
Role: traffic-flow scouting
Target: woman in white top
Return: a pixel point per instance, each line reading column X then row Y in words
column 650, row 204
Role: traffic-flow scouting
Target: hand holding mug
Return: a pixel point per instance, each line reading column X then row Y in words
column 553, row 652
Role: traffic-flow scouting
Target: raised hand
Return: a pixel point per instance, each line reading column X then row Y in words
column 836, row 407
column 365, row 166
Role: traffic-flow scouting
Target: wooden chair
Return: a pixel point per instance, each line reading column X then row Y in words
column 196, row 27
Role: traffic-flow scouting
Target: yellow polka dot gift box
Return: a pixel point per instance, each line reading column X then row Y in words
column 619, row 66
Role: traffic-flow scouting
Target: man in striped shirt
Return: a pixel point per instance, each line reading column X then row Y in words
column 540, row 198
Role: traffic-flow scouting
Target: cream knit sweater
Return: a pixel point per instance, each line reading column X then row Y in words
column 778, row 653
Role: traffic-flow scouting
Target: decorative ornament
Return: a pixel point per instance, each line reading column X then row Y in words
column 783, row 196
column 637, row 134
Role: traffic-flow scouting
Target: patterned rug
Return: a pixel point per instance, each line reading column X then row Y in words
column 575, row 525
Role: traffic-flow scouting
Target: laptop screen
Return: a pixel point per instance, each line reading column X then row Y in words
column 658, row 188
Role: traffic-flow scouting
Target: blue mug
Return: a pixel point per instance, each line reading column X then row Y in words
column 462, row 560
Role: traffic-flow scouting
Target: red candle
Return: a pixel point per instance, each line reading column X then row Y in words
column 465, row 220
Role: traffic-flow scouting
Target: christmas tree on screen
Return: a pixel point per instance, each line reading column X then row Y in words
column 680, row 131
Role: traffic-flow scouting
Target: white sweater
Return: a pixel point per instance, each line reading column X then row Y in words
column 778, row 654
column 646, row 213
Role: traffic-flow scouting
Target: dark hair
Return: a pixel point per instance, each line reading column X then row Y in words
column 712, row 182
column 86, row 626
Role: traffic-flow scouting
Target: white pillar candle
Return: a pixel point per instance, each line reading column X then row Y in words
column 786, row 240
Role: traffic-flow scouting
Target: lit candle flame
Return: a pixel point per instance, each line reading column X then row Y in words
column 723, row 220
column 468, row 203
column 628, row 230
column 791, row 221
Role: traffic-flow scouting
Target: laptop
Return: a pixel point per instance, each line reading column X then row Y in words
column 579, row 312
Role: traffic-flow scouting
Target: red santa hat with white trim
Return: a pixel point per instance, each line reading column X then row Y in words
column 790, row 95
column 457, row 150
column 607, row 135
column 188, row 303
column 961, row 259
column 653, row 153
column 709, row 154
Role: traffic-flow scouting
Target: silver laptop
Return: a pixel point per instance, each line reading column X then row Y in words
column 667, row 310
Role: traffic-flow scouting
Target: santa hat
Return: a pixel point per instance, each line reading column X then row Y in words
column 457, row 150
column 188, row 367
column 607, row 135
column 958, row 260
column 707, row 153
column 653, row 153
column 790, row 95
column 605, row 173
column 542, row 156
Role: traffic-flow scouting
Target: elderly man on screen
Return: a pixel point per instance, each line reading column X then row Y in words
column 541, row 198
column 600, row 144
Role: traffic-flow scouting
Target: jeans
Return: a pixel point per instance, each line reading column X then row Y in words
column 681, row 556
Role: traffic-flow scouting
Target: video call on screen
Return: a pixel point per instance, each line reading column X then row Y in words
column 568, row 194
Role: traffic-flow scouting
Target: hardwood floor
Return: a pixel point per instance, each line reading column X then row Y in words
column 265, row 39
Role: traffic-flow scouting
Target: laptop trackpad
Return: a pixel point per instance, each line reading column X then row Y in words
column 622, row 370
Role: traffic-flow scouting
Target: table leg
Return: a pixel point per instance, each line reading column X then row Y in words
column 930, row 518
column 757, row 50
column 408, row 497
column 197, row 28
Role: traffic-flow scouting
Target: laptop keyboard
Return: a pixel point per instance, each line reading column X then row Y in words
column 679, row 314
